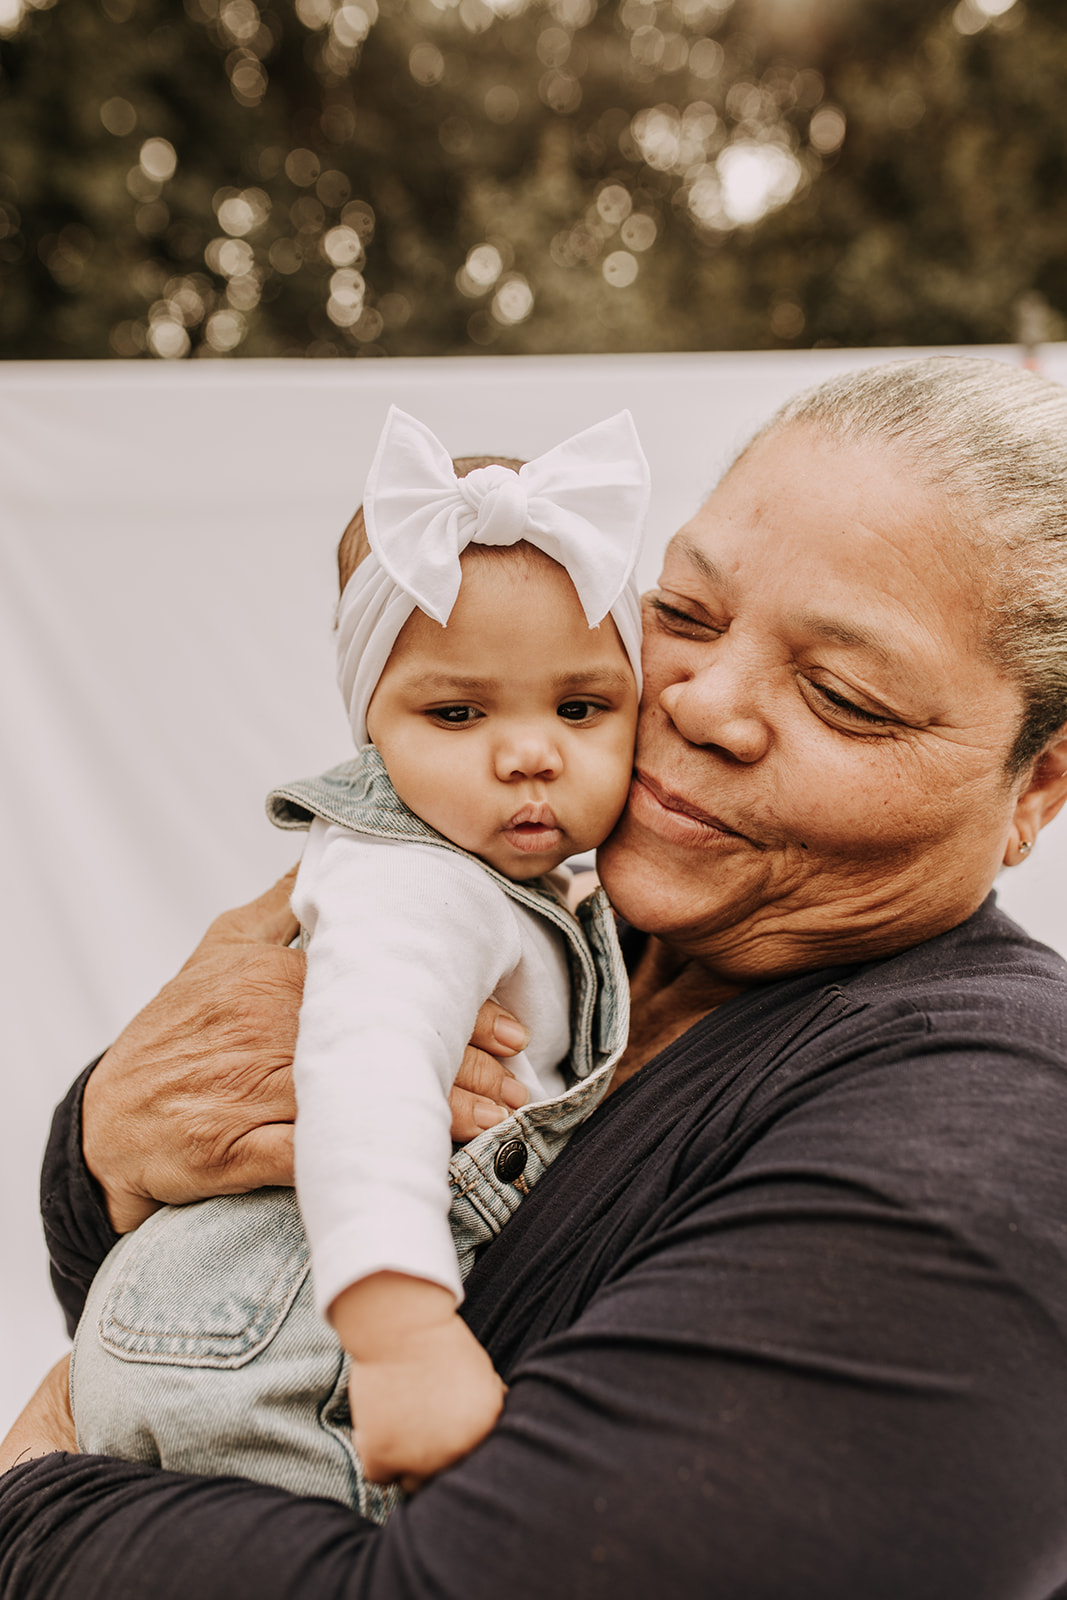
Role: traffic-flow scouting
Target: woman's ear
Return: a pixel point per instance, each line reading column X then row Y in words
column 1039, row 801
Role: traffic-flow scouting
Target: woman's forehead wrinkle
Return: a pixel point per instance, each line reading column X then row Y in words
column 690, row 551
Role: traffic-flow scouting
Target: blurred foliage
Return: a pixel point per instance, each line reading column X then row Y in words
column 423, row 177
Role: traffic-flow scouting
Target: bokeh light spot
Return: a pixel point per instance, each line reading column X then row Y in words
column 229, row 257
column 168, row 339
column 639, row 231
column 426, row 64
column 484, row 265
column 159, row 160
column 513, row 301
column 240, row 18
column 302, row 168
column 827, row 130
column 351, row 26
column 619, row 269
column 755, row 178
column 501, row 103
column 286, row 256
column 243, row 292
column 127, row 339
column 347, row 293
column 369, row 326
column 10, row 16
column 343, row 246
column 118, row 116
column 314, row 14
column 614, row 204
column 560, row 91
column 706, row 58
column 553, row 46
column 787, row 319
column 333, row 189
column 358, row 215
column 225, row 330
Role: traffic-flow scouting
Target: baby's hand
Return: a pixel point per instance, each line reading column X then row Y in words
column 425, row 1407
column 422, row 1390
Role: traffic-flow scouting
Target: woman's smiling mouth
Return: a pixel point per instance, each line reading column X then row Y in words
column 673, row 817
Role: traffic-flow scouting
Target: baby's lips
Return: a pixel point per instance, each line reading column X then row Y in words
column 540, row 815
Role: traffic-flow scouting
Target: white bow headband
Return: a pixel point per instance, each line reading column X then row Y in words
column 583, row 503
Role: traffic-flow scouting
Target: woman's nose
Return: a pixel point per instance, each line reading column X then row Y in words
column 527, row 753
column 717, row 707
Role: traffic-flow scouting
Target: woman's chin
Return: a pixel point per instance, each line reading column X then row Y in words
column 646, row 888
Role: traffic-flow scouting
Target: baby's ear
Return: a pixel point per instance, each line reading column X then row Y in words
column 353, row 549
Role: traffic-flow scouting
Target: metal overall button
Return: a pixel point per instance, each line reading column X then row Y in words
column 510, row 1162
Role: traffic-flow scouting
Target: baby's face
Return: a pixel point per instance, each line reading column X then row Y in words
column 511, row 731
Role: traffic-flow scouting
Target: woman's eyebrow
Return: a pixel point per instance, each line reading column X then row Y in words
column 704, row 564
column 852, row 635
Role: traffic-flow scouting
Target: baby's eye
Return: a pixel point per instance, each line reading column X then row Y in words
column 578, row 710
column 455, row 716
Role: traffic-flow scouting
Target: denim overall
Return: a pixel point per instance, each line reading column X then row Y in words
column 200, row 1349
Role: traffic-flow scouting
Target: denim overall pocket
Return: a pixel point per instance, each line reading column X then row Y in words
column 216, row 1292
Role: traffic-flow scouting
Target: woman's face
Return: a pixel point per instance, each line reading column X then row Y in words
column 820, row 768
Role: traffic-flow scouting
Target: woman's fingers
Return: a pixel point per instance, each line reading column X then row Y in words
column 264, row 1158
column 472, row 1115
column 189, row 1100
column 498, row 1032
column 483, row 1094
column 268, row 919
column 45, row 1424
column 484, row 1075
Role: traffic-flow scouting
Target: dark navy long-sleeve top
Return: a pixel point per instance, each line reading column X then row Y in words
column 787, row 1319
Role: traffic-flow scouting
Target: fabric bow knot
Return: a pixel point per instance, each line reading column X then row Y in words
column 583, row 503
column 500, row 504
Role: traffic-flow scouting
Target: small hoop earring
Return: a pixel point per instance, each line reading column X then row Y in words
column 1024, row 846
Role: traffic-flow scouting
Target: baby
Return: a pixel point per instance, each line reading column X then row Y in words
column 492, row 694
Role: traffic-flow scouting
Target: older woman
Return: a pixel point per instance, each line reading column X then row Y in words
column 789, row 1316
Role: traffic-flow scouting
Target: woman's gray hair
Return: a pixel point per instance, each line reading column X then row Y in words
column 992, row 439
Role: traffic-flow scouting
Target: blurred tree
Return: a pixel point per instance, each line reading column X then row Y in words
column 413, row 177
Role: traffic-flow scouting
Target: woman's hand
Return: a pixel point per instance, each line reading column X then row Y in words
column 195, row 1097
column 485, row 1092
column 45, row 1424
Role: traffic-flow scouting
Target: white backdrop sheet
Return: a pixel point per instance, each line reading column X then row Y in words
column 166, row 549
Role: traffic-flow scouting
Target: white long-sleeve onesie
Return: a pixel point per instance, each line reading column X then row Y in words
column 406, row 942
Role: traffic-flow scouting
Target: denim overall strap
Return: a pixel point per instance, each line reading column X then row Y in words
column 358, row 795
column 492, row 1174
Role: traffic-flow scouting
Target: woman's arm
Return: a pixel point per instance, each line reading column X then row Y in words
column 785, row 1381
column 656, row 1448
column 195, row 1097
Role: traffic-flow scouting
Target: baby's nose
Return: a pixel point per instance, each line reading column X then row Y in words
column 528, row 753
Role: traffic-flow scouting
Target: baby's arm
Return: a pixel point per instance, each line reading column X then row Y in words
column 423, row 1391
column 406, row 943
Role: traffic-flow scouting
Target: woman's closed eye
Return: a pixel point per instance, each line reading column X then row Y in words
column 828, row 703
column 683, row 624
